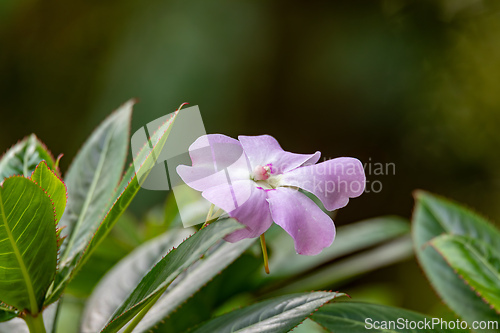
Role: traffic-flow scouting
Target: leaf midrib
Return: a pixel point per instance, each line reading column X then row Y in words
column 449, row 232
column 91, row 191
column 22, row 266
column 480, row 257
column 482, row 260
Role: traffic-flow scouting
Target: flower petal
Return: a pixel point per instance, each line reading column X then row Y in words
column 264, row 149
column 215, row 158
column 333, row 181
column 311, row 229
column 246, row 203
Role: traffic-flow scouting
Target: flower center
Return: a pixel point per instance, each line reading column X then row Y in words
column 263, row 176
column 262, row 172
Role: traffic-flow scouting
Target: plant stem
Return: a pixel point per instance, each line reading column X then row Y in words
column 35, row 324
column 264, row 253
column 143, row 312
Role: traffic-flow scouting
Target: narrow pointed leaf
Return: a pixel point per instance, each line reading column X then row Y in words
column 126, row 191
column 23, row 158
column 91, row 181
column 433, row 217
column 277, row 315
column 52, row 185
column 363, row 317
column 167, row 269
column 476, row 262
column 130, row 184
column 28, row 246
column 189, row 282
column 120, row 281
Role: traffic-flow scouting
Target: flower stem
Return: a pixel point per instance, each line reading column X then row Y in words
column 264, row 253
column 35, row 324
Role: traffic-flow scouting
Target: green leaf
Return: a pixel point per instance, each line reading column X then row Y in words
column 189, row 282
column 363, row 317
column 52, row 185
column 120, row 281
column 277, row 315
column 23, row 158
column 28, row 245
column 476, row 262
column 350, row 238
column 433, row 217
column 167, row 269
column 126, row 190
column 91, row 180
column 131, row 184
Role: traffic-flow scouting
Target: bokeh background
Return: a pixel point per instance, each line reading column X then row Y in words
column 413, row 83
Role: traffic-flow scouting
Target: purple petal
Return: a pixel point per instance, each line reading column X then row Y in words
column 311, row 229
column 264, row 150
column 212, row 156
column 244, row 202
column 333, row 181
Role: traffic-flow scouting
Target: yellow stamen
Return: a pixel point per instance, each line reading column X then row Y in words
column 264, row 253
column 216, row 215
column 209, row 215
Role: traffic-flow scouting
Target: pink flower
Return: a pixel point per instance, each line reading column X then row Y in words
column 256, row 182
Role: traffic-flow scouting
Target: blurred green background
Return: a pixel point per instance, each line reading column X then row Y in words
column 414, row 83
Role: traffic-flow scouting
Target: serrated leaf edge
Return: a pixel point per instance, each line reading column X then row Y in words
column 478, row 294
column 59, row 239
